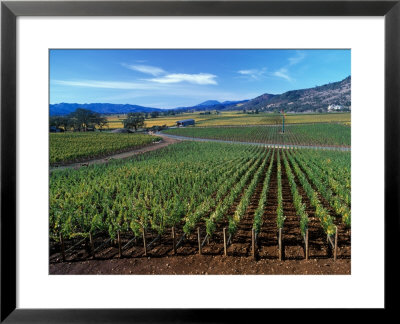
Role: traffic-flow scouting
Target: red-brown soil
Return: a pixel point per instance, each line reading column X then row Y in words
column 202, row 265
column 161, row 260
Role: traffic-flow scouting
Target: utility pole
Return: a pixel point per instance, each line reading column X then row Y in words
column 283, row 121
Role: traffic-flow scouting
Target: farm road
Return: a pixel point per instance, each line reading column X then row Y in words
column 184, row 138
column 105, row 159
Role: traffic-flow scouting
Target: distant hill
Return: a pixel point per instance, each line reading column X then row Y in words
column 216, row 105
column 320, row 97
column 212, row 105
column 62, row 109
column 101, row 108
column 208, row 103
column 233, row 102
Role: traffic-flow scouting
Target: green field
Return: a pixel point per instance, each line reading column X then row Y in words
column 312, row 134
column 69, row 147
column 189, row 183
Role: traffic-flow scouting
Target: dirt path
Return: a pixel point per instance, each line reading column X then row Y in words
column 165, row 142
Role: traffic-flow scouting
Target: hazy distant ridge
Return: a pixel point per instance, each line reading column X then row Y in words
column 102, row 108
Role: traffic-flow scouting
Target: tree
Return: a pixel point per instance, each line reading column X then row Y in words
column 101, row 122
column 154, row 114
column 82, row 119
column 134, row 120
column 79, row 120
column 58, row 121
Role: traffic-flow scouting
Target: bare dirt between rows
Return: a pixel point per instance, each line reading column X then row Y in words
column 123, row 155
column 161, row 260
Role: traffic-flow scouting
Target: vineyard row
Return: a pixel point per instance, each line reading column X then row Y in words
column 197, row 185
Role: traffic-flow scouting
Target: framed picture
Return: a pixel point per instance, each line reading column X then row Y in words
column 319, row 60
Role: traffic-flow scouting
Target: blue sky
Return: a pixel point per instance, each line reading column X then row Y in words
column 177, row 78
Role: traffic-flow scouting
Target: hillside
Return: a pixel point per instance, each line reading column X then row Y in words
column 312, row 99
column 212, row 105
column 208, row 103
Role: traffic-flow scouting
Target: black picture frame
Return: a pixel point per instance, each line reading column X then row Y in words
column 10, row 10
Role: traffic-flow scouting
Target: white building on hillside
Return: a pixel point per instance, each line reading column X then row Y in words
column 334, row 107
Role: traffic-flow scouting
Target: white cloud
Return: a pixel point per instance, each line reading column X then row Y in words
column 297, row 59
column 148, row 69
column 106, row 84
column 253, row 73
column 283, row 73
column 189, row 93
column 164, row 77
column 248, row 72
column 201, row 78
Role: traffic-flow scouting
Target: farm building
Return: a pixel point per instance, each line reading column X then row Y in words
column 54, row 129
column 185, row 122
column 334, row 107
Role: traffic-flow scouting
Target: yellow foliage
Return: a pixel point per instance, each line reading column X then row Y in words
column 236, row 118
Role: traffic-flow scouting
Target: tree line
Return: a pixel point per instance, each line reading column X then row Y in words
column 82, row 120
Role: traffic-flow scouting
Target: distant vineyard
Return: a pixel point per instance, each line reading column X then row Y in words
column 240, row 119
column 237, row 118
column 208, row 185
column 69, row 147
column 313, row 134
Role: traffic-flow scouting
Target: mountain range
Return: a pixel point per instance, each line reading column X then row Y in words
column 311, row 99
column 101, row 108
